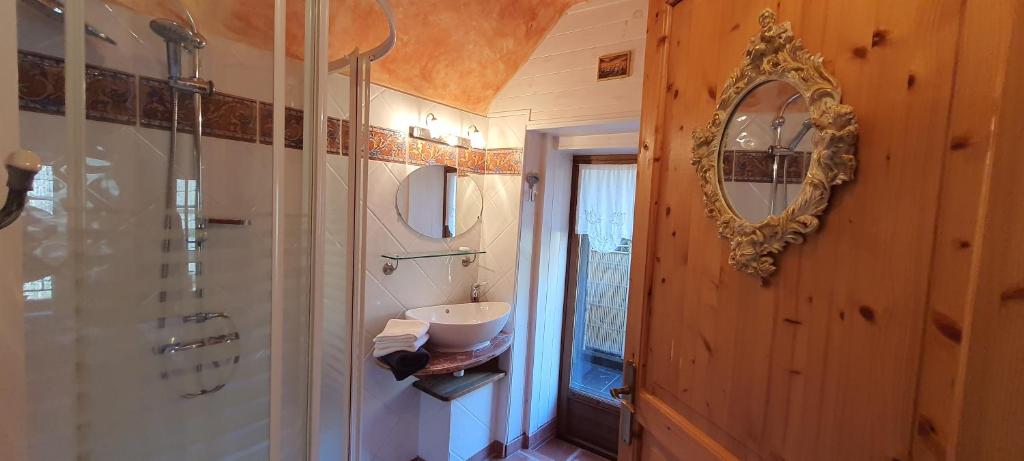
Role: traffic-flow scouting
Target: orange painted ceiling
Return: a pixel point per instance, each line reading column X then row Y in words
column 457, row 52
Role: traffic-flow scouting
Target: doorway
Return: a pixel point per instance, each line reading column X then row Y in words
column 597, row 291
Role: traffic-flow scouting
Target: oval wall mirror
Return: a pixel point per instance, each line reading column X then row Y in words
column 778, row 141
column 766, row 150
column 437, row 202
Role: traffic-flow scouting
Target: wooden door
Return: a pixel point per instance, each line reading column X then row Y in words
column 854, row 349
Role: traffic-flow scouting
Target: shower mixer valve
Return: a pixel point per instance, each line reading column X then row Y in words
column 22, row 166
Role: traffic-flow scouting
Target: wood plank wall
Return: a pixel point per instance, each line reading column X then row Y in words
column 559, row 81
column 856, row 347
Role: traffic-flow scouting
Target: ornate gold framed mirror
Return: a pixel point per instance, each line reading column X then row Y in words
column 778, row 141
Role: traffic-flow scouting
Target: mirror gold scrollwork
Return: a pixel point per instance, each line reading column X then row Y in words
column 778, row 141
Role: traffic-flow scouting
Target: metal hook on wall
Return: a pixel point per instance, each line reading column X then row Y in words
column 22, row 166
column 532, row 180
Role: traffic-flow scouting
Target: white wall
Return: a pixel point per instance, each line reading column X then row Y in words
column 558, row 84
column 550, row 256
column 557, row 89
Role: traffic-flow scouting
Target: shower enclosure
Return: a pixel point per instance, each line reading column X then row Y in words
column 164, row 290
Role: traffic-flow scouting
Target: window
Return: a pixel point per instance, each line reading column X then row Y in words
column 39, row 290
column 41, row 196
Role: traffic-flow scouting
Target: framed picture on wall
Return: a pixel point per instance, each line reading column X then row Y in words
column 615, row 65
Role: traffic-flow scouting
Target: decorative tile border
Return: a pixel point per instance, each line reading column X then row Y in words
column 431, row 153
column 387, row 145
column 119, row 97
column 267, row 124
column 40, row 83
column 292, row 126
column 229, row 117
column 156, row 106
column 473, row 161
column 334, row 136
column 505, row 161
column 224, row 115
column 109, row 95
column 345, row 133
column 757, row 168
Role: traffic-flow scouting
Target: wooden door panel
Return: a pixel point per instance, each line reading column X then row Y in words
column 653, row 450
column 668, row 431
column 821, row 362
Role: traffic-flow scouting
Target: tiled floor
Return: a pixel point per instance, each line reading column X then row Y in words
column 555, row 450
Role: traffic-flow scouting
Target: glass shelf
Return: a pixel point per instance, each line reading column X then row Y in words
column 431, row 254
column 468, row 257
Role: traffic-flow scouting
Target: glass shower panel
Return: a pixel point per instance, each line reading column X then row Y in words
column 148, row 255
column 49, row 288
column 174, row 319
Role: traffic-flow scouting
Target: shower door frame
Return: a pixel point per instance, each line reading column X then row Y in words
column 12, row 322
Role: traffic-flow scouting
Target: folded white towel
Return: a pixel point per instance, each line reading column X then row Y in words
column 396, row 341
column 380, row 350
column 403, row 330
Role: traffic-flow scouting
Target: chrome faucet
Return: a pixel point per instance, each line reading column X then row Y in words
column 474, row 294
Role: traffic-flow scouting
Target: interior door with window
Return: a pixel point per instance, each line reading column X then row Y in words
column 597, row 293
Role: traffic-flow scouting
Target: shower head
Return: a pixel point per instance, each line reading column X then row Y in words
column 172, row 32
column 175, row 38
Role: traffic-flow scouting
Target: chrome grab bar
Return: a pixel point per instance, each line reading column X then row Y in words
column 182, row 346
column 200, row 317
column 202, row 392
column 171, row 348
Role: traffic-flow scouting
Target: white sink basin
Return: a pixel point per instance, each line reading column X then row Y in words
column 462, row 327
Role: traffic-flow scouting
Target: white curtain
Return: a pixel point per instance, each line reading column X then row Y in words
column 604, row 208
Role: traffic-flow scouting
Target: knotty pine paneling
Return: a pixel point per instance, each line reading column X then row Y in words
column 823, row 362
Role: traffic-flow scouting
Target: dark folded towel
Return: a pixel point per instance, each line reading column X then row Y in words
column 403, row 363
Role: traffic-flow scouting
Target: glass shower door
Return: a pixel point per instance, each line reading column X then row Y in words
column 149, row 260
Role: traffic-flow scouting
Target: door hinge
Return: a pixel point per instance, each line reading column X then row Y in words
column 624, row 395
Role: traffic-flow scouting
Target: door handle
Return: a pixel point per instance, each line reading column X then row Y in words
column 22, row 166
column 624, row 395
column 619, row 392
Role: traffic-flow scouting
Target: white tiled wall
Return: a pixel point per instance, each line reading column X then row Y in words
column 395, row 424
